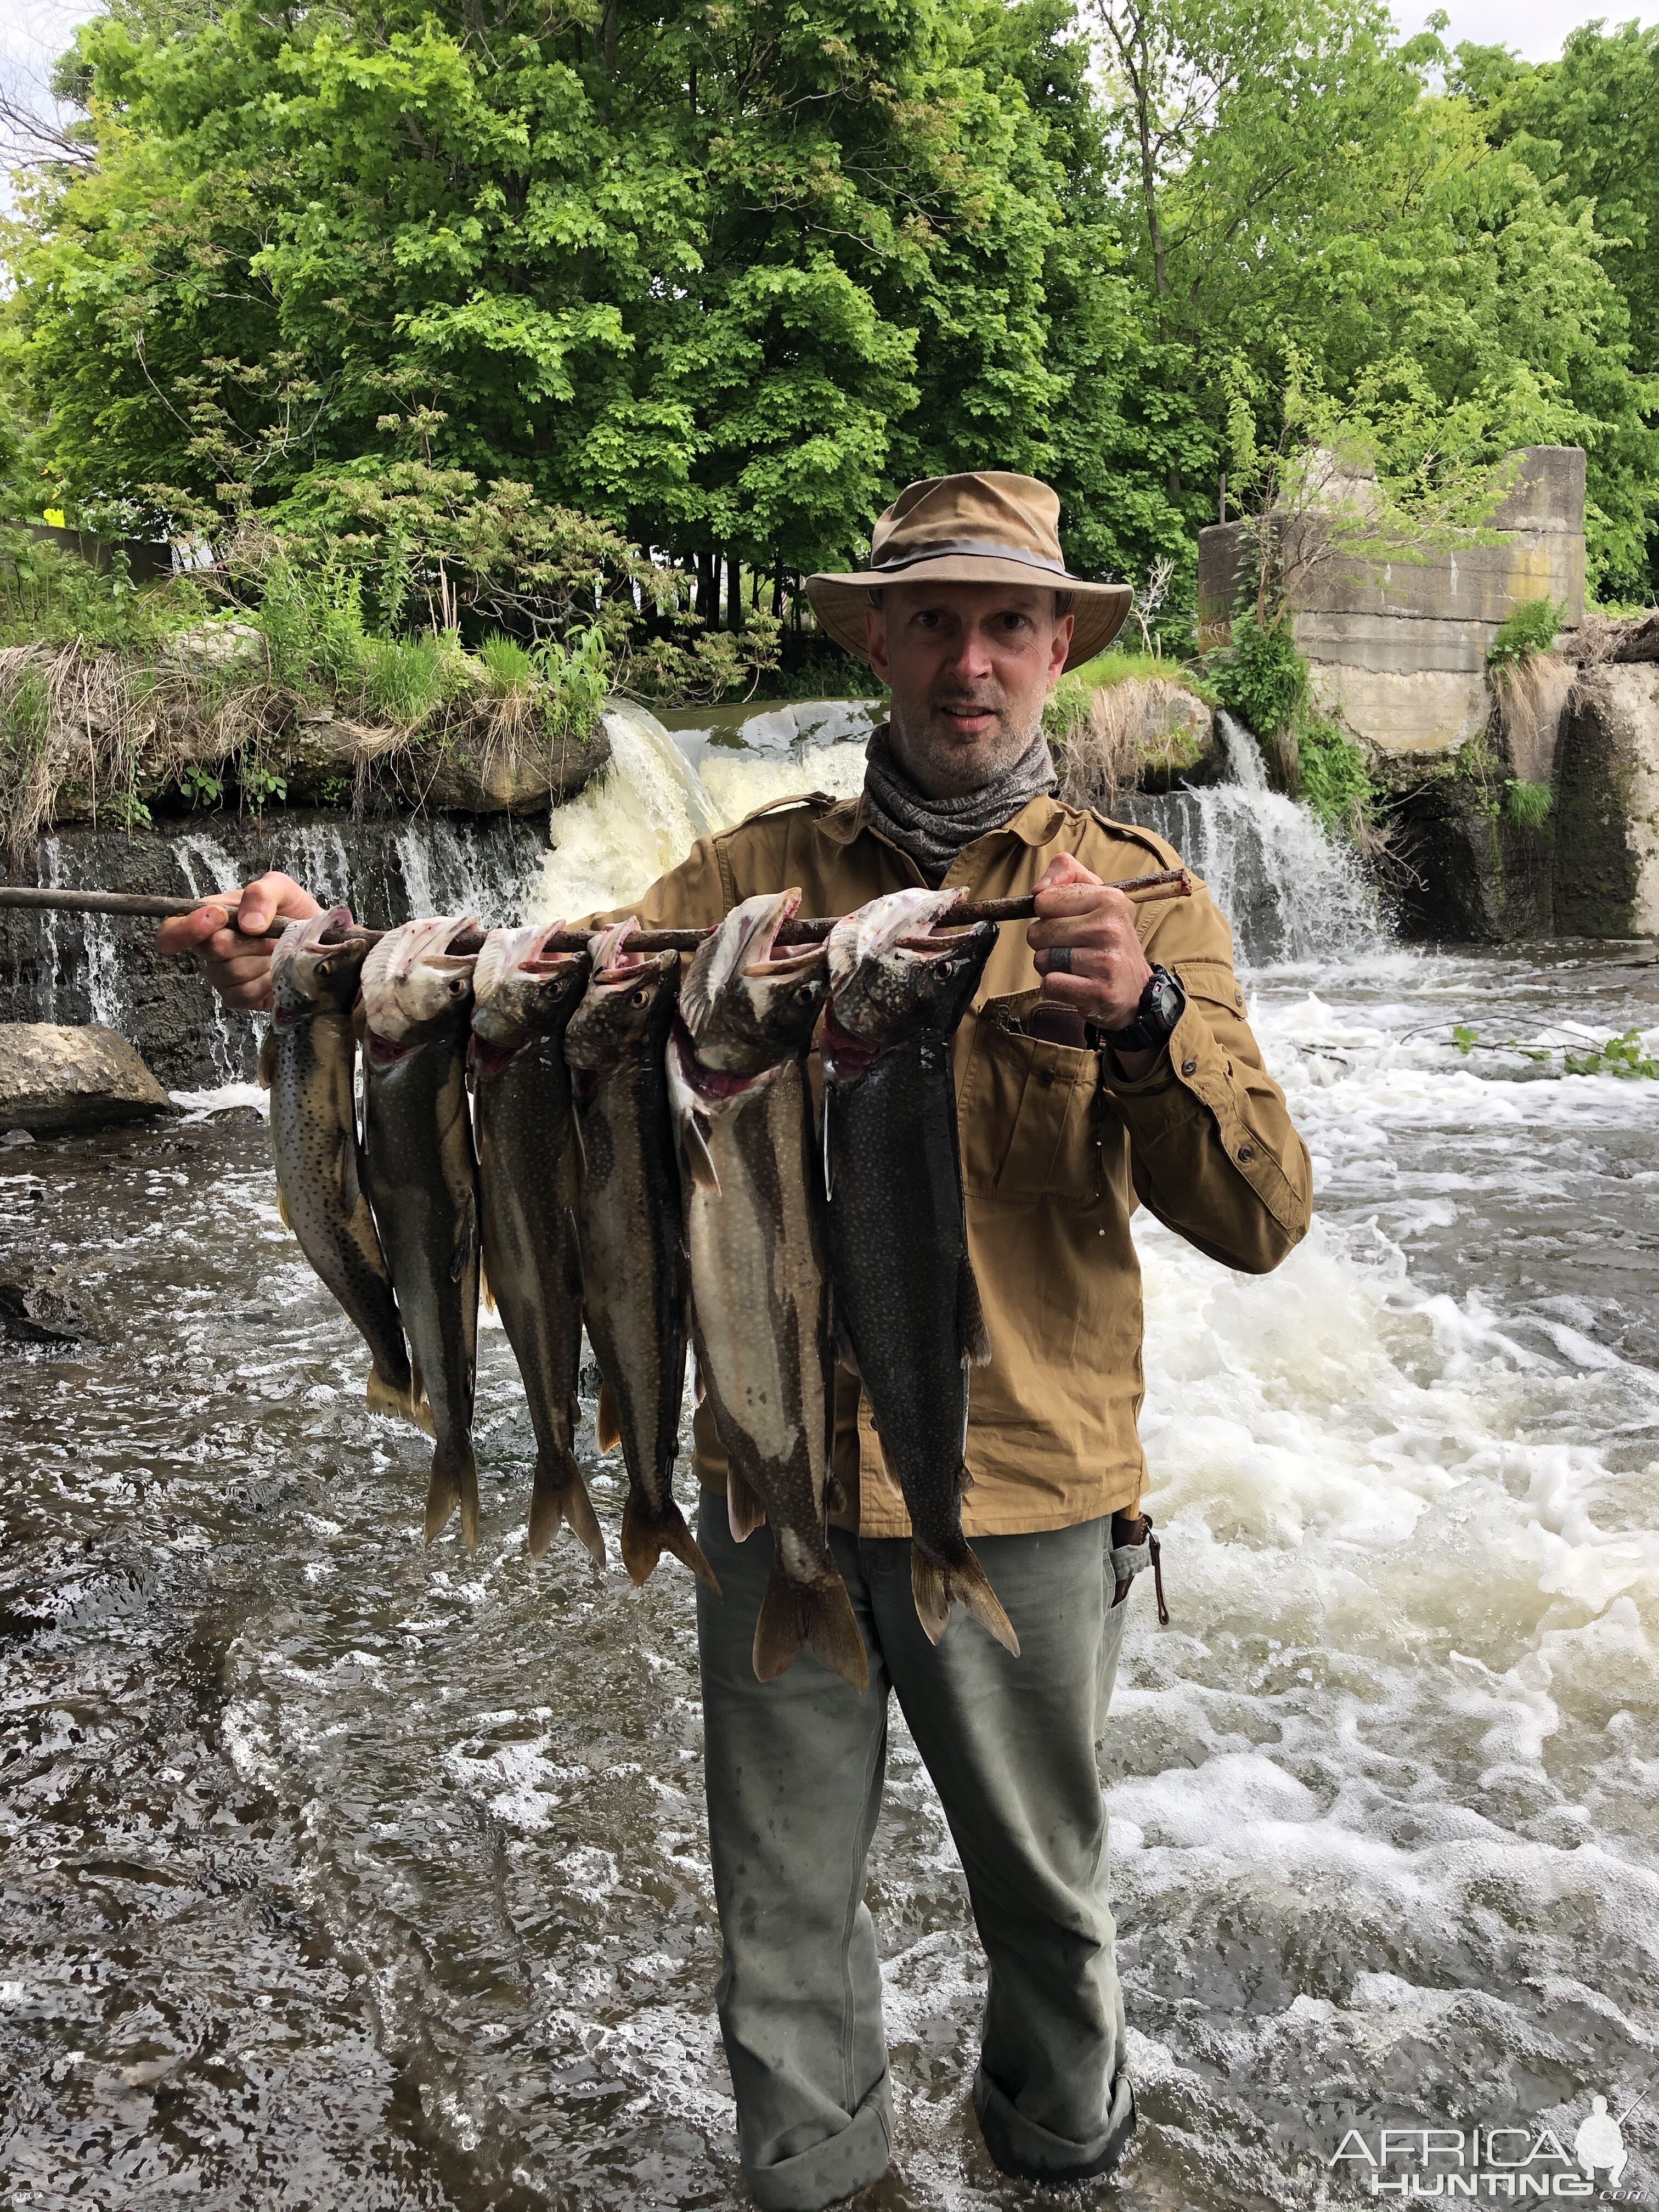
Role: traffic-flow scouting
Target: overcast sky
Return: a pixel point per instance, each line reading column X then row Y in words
column 33, row 32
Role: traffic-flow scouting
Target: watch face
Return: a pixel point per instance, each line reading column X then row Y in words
column 1167, row 999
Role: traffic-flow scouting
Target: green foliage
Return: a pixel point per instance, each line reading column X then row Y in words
column 401, row 679
column 1527, row 805
column 1531, row 629
column 259, row 786
column 1332, row 772
column 1261, row 677
column 1623, row 1055
column 509, row 667
column 199, row 785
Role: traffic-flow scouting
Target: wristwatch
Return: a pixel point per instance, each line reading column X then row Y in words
column 1162, row 1005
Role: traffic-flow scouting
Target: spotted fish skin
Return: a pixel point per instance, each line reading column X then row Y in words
column 743, row 1114
column 524, row 997
column 308, row 1063
column 422, row 1176
column 900, row 980
column 635, row 1284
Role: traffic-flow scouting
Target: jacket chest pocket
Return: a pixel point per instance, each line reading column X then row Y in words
column 1027, row 1111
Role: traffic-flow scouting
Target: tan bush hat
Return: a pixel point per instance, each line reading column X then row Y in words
column 986, row 527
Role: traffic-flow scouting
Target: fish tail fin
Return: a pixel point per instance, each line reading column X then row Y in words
column 936, row 1584
column 559, row 1495
column 793, row 1615
column 401, row 1402
column 744, row 1510
column 646, row 1536
column 454, row 1481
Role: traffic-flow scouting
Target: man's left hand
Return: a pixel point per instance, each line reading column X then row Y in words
column 1108, row 970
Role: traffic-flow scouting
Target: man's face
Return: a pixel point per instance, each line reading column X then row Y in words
column 969, row 666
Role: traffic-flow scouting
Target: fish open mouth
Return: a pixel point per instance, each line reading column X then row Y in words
column 759, row 954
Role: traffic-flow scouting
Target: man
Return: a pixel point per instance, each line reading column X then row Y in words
column 1105, row 1059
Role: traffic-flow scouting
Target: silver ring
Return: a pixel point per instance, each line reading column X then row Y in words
column 1059, row 959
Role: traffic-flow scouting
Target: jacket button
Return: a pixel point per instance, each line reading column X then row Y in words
column 1247, row 1152
column 1045, row 1076
column 1190, row 1067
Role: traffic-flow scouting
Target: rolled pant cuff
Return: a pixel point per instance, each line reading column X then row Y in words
column 834, row 2168
column 1029, row 2153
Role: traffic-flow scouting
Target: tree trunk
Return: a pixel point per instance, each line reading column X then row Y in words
column 733, row 592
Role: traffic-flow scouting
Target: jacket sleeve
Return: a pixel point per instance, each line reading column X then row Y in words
column 1212, row 1150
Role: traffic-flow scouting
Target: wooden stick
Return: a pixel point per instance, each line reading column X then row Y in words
column 1167, row 883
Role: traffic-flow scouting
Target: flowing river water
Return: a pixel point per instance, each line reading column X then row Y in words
column 338, row 1872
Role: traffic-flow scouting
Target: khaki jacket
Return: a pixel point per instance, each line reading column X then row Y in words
column 1056, row 1152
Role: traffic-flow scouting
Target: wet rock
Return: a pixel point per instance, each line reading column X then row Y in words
column 56, row 1077
column 473, row 773
column 31, row 1313
column 1606, row 873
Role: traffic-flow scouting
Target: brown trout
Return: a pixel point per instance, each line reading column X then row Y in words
column 422, row 1183
column 307, row 1062
column 522, row 999
column 904, row 1289
column 634, row 1280
column 743, row 1114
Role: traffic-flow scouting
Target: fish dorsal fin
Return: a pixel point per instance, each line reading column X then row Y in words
column 971, row 1332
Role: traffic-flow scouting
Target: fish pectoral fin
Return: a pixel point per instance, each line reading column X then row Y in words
column 646, row 1536
column 937, row 1585
column 745, row 1510
column 560, row 1496
column 422, row 1414
column 484, row 1291
column 835, row 1495
column 573, row 1260
column 282, row 1209
column 845, row 1355
column 697, row 1159
column 965, row 1478
column 351, row 1189
column 404, row 1404
column 454, row 1481
column 971, row 1332
column 268, row 1058
column 794, row 1615
column 466, row 1239
column 607, row 1428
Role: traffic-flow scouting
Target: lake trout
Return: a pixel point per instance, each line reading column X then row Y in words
column 424, row 1183
column 905, row 1296
column 743, row 1114
column 522, row 999
column 635, row 1278
column 309, row 1062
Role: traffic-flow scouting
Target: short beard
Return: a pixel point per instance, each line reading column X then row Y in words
column 936, row 767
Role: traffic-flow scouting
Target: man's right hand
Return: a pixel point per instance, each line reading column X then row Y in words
column 236, row 951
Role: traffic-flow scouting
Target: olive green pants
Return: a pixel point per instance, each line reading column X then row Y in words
column 794, row 1772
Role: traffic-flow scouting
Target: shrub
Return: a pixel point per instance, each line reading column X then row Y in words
column 1261, row 677
column 1332, row 772
column 1527, row 805
column 1531, row 629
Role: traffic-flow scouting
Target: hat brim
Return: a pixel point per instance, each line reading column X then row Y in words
column 1099, row 611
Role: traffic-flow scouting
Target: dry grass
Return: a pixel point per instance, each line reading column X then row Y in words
column 1110, row 738
column 1532, row 694
column 89, row 735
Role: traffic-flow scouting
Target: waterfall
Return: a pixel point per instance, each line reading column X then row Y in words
column 206, row 866
column 1290, row 892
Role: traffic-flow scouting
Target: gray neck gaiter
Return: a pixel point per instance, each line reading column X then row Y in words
column 933, row 831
